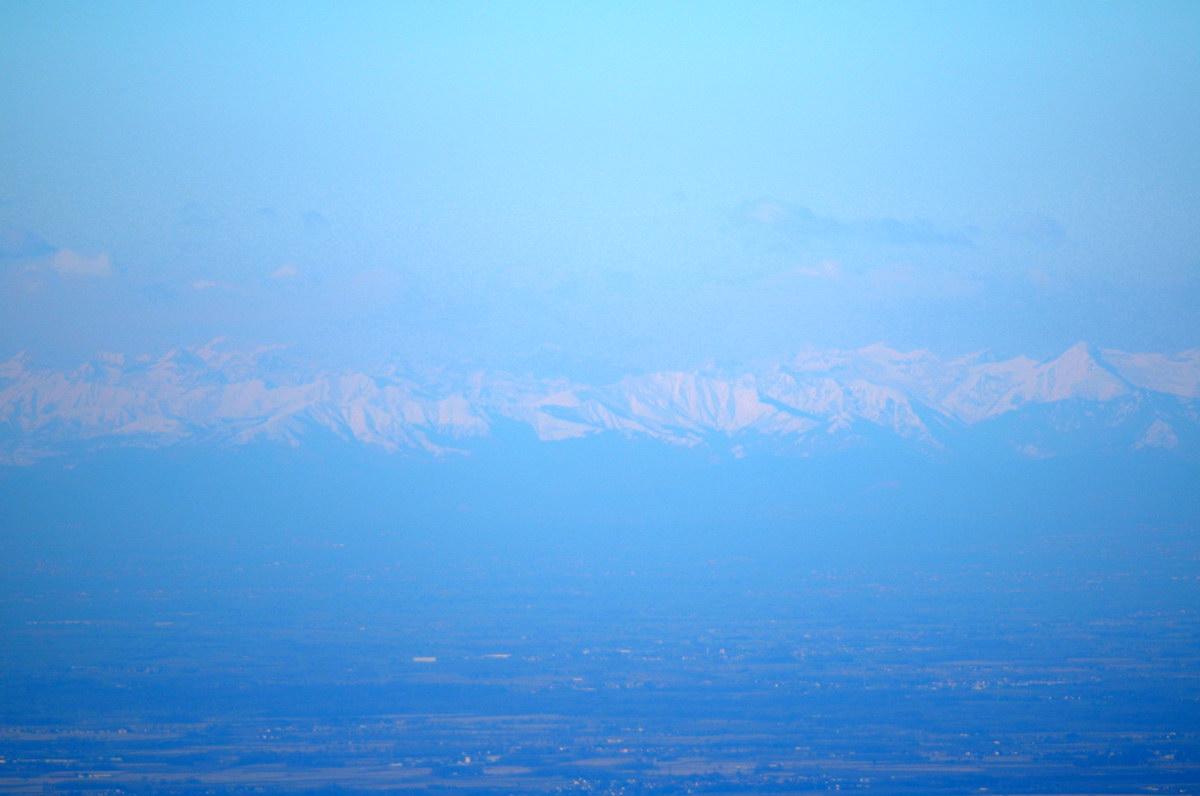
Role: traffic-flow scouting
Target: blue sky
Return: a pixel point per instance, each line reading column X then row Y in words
column 649, row 186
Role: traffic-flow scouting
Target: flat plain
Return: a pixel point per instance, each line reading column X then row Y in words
column 307, row 667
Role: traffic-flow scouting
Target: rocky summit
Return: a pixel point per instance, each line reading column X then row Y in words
column 815, row 402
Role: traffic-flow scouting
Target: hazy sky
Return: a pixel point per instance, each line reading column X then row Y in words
column 649, row 184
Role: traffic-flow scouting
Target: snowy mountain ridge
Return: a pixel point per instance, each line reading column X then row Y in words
column 817, row 401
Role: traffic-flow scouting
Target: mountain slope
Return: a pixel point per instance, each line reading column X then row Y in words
column 818, row 401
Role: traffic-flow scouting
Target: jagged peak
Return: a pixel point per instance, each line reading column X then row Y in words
column 984, row 356
column 16, row 366
column 1176, row 374
column 181, row 356
column 1084, row 356
column 207, row 351
column 812, row 358
column 1081, row 352
column 884, row 351
column 911, row 394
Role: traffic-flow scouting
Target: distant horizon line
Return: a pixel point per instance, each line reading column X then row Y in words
column 301, row 353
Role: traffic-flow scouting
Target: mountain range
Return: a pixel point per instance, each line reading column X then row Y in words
column 1086, row 400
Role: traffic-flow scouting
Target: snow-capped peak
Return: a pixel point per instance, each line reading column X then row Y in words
column 815, row 400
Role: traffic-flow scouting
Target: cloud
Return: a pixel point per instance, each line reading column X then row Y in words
column 312, row 220
column 69, row 261
column 285, row 271
column 903, row 281
column 377, row 283
column 1035, row 229
column 16, row 242
column 826, row 269
column 195, row 217
column 794, row 224
column 210, row 284
column 764, row 211
column 1046, row 281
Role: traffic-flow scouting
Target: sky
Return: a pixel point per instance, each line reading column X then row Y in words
column 647, row 185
